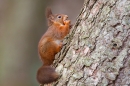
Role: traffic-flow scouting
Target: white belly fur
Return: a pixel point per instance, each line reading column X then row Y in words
column 58, row 42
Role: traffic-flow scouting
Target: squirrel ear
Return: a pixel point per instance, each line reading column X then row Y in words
column 48, row 12
column 49, row 16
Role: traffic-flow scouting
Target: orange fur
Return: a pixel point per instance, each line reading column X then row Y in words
column 50, row 44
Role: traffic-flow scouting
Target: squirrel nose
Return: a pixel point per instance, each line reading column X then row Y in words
column 66, row 16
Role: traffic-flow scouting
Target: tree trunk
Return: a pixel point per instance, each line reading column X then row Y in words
column 97, row 51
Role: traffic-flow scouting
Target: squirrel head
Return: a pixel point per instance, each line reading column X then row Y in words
column 58, row 18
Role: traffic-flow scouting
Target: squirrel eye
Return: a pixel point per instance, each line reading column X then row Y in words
column 59, row 17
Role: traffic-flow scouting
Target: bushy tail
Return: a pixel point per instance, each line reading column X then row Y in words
column 46, row 74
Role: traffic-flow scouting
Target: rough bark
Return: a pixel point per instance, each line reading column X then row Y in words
column 97, row 51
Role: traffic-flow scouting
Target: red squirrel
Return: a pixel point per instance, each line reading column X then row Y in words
column 50, row 44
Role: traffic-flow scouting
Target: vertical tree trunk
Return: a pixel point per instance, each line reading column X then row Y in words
column 97, row 51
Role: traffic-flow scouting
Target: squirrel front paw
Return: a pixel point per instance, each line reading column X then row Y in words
column 67, row 22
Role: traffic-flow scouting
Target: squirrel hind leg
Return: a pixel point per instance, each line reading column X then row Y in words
column 46, row 74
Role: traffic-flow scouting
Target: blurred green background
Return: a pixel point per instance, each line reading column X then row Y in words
column 22, row 23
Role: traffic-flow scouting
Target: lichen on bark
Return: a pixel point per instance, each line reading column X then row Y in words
column 97, row 51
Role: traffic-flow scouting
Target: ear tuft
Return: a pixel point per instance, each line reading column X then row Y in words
column 48, row 12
